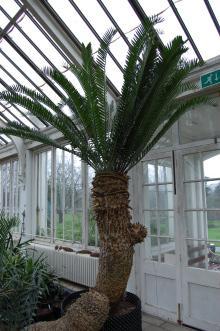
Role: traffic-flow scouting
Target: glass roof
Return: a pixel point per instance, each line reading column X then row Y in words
column 26, row 45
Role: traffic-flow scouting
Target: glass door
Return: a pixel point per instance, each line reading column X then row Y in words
column 199, row 222
column 158, row 252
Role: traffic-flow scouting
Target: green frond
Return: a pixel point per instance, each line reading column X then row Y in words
column 101, row 75
column 181, row 108
column 109, row 137
column 141, row 47
column 92, row 106
column 165, row 87
column 74, row 100
column 66, row 126
column 22, row 131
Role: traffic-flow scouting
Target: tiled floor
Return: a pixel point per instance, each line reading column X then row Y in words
column 151, row 323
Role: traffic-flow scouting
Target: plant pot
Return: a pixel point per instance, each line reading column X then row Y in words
column 129, row 321
column 51, row 309
column 44, row 314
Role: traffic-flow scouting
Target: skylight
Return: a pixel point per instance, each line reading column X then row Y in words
column 27, row 45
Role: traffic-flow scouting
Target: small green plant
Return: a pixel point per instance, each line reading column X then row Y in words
column 24, row 280
column 20, row 281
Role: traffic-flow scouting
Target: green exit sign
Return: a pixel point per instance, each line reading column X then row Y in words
column 210, row 79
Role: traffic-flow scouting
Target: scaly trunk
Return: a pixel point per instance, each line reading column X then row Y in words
column 117, row 234
column 117, row 239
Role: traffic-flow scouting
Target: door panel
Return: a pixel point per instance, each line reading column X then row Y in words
column 158, row 253
column 199, row 224
column 180, row 259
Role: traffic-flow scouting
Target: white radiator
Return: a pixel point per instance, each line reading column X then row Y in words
column 78, row 268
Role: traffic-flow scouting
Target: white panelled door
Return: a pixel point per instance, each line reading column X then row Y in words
column 180, row 259
column 158, row 253
column 199, row 223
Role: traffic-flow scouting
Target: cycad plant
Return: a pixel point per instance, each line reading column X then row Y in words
column 113, row 138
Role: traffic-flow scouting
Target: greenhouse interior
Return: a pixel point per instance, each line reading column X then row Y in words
column 110, row 165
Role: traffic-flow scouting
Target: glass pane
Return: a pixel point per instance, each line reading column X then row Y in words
column 27, row 48
column 196, row 253
column 213, row 221
column 77, row 199
column 216, row 8
column 165, row 196
column 211, row 161
column 49, row 198
column 165, row 141
column 59, row 194
column 92, row 229
column 214, row 256
column 68, row 193
column 200, row 123
column 167, row 250
column 78, row 212
column 150, row 221
column 192, row 166
column 21, row 63
column 92, row 10
column 195, row 226
column 3, row 182
column 45, row 46
column 92, row 235
column 123, row 15
column 8, row 186
column 149, row 172
column 114, row 73
column 14, row 206
column 193, row 195
column 166, row 27
column 77, row 170
column 212, row 190
column 166, row 221
column 74, row 22
column 10, row 6
column 151, row 248
column 150, row 197
column 119, row 49
column 209, row 47
column 43, row 194
column 91, row 175
column 14, row 72
column 164, row 170
column 3, row 20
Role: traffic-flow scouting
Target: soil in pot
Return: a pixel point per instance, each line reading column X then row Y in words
column 51, row 309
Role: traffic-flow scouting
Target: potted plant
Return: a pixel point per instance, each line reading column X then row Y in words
column 112, row 139
column 25, row 282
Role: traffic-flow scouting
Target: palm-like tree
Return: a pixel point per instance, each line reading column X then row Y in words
column 114, row 138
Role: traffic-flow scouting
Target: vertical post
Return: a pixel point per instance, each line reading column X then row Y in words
column 85, row 205
column 31, row 196
column 53, row 193
column 63, row 192
column 11, row 200
column 72, row 196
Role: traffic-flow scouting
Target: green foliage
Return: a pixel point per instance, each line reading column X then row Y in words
column 6, row 225
column 24, row 280
column 20, row 280
column 114, row 137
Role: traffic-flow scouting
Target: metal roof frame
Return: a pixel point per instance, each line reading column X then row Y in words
column 58, row 34
column 108, row 14
column 179, row 18
column 95, row 33
column 212, row 14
